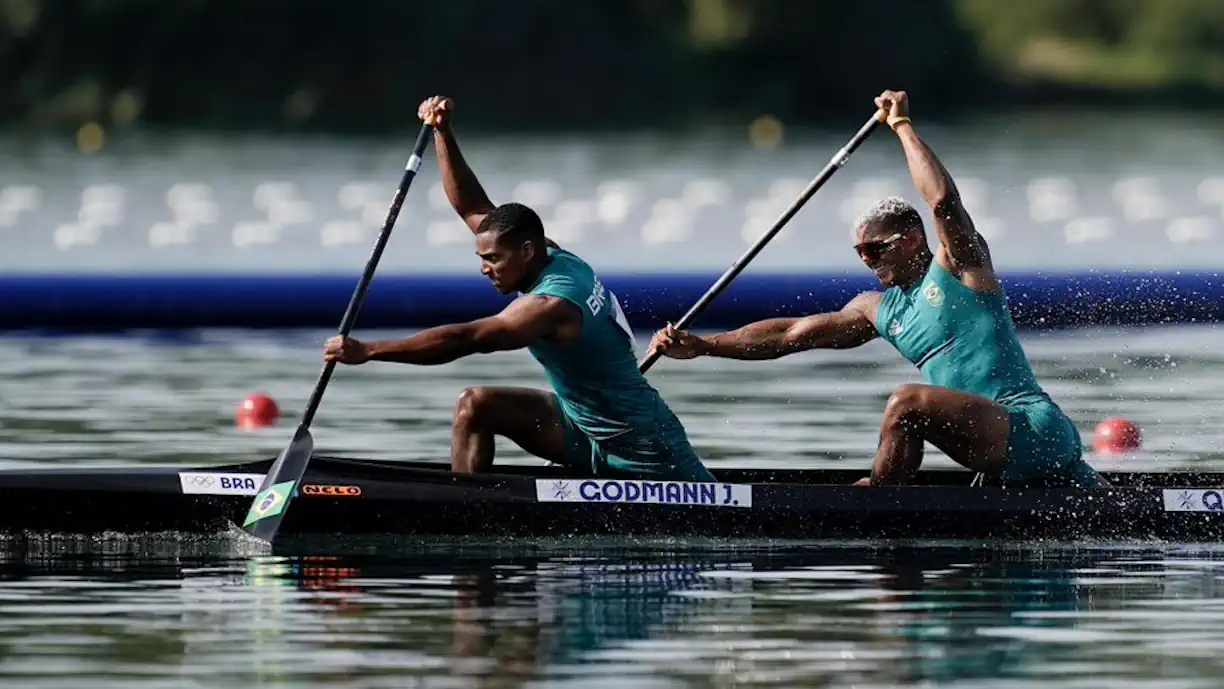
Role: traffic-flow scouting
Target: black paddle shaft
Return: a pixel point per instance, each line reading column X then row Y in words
column 839, row 159
column 363, row 285
column 280, row 484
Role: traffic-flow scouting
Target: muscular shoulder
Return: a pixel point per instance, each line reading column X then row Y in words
column 525, row 321
column 979, row 277
column 542, row 309
column 865, row 304
column 557, row 318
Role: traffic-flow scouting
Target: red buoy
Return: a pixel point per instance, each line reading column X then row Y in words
column 257, row 411
column 1116, row 435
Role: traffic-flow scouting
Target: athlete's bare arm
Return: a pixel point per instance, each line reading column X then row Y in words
column 524, row 321
column 963, row 251
column 463, row 190
column 852, row 326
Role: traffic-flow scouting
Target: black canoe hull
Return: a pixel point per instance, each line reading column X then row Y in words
column 361, row 497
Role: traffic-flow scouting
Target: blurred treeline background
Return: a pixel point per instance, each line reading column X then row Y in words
column 361, row 66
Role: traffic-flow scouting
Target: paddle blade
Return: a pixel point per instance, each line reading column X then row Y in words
column 280, row 486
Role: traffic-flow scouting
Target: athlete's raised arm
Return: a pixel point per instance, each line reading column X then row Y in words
column 773, row 338
column 963, row 251
column 463, row 190
column 523, row 322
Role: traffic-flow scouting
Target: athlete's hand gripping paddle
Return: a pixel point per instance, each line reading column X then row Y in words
column 839, row 159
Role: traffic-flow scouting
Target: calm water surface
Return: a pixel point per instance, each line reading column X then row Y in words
column 171, row 398
column 158, row 612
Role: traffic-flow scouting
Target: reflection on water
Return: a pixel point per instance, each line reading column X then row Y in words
column 446, row 613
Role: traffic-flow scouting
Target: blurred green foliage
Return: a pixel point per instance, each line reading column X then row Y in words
column 363, row 65
column 1116, row 44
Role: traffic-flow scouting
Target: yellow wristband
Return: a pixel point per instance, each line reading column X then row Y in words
column 899, row 120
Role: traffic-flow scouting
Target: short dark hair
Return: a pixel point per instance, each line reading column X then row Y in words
column 514, row 222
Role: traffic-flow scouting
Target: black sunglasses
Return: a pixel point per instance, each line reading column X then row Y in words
column 873, row 250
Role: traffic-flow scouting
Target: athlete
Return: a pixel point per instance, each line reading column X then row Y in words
column 602, row 417
column 947, row 314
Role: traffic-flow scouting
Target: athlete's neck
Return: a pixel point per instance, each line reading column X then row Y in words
column 917, row 269
column 537, row 266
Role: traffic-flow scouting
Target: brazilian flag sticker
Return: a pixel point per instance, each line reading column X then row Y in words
column 270, row 502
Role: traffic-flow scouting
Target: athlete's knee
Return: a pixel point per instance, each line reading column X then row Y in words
column 471, row 405
column 907, row 406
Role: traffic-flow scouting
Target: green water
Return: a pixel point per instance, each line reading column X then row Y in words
column 156, row 612
column 574, row 614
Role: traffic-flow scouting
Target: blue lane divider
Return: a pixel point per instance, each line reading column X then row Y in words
column 119, row 302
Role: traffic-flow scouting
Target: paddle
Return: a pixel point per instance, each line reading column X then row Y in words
column 839, row 159
column 279, row 486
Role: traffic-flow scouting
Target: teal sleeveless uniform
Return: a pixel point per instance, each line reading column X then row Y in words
column 965, row 340
column 616, row 424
